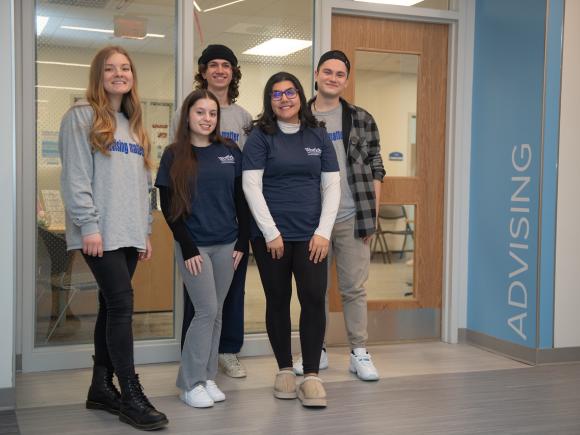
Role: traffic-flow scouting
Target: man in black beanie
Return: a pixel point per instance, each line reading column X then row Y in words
column 218, row 72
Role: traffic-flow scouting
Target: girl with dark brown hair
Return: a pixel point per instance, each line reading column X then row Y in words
column 202, row 200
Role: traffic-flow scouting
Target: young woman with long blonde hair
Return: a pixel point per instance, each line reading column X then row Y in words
column 105, row 182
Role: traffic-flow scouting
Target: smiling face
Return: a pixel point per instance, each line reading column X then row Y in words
column 117, row 75
column 331, row 78
column 286, row 109
column 218, row 74
column 203, row 117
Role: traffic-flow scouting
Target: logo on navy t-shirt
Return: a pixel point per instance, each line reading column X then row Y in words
column 313, row 151
column 229, row 159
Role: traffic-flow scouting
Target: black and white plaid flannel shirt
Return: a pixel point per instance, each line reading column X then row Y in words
column 365, row 164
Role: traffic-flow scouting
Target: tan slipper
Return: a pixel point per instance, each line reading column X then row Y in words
column 285, row 385
column 311, row 392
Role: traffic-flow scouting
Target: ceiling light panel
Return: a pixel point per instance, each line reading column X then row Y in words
column 222, row 6
column 50, row 62
column 94, row 29
column 278, row 47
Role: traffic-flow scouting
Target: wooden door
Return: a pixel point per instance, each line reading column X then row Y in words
column 422, row 188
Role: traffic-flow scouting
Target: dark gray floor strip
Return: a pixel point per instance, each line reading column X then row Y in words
column 8, row 423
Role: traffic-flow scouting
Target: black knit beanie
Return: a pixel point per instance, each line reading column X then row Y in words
column 217, row 51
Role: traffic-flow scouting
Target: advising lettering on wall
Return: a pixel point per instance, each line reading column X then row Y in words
column 519, row 229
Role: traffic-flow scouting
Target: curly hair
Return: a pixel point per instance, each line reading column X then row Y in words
column 233, row 88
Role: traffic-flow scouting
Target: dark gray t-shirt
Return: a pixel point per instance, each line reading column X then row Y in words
column 333, row 120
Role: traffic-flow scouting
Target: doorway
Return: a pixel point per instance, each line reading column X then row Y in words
column 399, row 74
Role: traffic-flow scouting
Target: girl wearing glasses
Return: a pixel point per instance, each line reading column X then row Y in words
column 291, row 182
column 202, row 200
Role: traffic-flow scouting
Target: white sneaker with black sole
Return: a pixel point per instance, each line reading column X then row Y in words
column 298, row 366
column 362, row 365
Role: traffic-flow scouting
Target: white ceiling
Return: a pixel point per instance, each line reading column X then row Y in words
column 239, row 26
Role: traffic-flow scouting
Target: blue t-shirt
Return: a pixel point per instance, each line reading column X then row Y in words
column 213, row 218
column 292, row 165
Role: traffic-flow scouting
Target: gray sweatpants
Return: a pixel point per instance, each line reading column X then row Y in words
column 353, row 259
column 207, row 291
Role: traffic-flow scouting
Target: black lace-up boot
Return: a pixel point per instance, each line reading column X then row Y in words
column 136, row 409
column 103, row 394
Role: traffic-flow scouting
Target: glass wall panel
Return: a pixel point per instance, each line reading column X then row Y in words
column 392, row 250
column 386, row 85
column 69, row 33
column 242, row 26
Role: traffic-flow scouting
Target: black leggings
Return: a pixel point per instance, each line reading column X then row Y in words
column 276, row 276
column 113, row 329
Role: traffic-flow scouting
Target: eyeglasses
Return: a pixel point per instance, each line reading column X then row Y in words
column 290, row 94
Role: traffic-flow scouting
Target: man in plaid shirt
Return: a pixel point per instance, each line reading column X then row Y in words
column 355, row 137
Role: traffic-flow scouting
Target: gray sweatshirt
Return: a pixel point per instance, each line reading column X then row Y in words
column 106, row 194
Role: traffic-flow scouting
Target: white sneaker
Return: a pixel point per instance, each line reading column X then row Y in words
column 214, row 392
column 299, row 368
column 197, row 398
column 231, row 365
column 361, row 363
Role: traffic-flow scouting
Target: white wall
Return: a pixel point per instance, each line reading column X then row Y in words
column 7, row 193
column 567, row 285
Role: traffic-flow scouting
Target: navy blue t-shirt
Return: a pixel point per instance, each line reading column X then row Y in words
column 292, row 165
column 213, row 219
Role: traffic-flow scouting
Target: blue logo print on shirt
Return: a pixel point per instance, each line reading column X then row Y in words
column 315, row 152
column 231, row 135
column 335, row 135
column 126, row 148
column 227, row 159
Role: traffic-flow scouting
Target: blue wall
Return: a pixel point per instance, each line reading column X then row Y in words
column 508, row 89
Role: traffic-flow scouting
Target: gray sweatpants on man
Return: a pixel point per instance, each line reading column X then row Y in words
column 207, row 291
column 353, row 258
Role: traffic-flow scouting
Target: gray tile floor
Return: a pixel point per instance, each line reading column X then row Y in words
column 425, row 388
column 540, row 400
